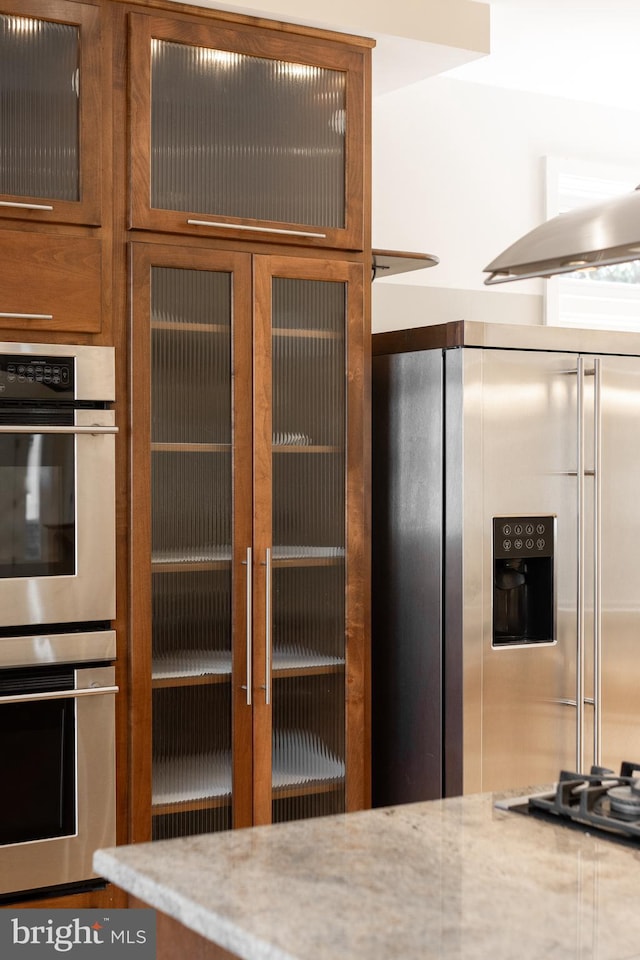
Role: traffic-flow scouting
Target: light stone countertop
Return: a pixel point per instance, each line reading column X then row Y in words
column 453, row 879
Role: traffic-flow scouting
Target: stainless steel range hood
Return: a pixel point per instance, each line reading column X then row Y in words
column 593, row 236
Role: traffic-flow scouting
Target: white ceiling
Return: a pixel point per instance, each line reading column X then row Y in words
column 578, row 49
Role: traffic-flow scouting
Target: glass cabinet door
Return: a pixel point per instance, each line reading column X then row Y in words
column 193, row 333
column 303, row 536
column 50, row 122
column 235, row 129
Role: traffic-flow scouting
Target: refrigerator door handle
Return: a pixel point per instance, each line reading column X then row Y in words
column 597, row 567
column 580, row 573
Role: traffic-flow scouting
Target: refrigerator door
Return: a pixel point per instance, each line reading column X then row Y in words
column 519, row 451
column 619, row 561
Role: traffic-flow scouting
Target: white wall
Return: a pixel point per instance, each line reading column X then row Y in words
column 458, row 172
column 461, row 23
column 414, row 38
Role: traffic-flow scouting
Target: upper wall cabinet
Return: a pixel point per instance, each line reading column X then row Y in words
column 247, row 133
column 50, row 121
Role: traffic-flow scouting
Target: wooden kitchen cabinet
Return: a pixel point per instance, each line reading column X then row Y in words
column 50, row 283
column 248, row 543
column 51, row 123
column 243, row 132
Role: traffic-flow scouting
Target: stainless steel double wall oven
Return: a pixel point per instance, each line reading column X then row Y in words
column 57, row 601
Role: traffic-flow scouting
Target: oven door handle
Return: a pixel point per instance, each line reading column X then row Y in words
column 58, row 694
column 48, row 428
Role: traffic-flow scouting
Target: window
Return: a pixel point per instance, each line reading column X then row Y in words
column 607, row 297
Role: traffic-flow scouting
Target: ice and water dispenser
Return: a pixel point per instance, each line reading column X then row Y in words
column 523, row 580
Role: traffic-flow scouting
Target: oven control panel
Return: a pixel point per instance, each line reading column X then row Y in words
column 36, row 377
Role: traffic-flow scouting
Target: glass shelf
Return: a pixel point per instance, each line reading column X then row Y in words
column 302, row 764
column 191, row 667
column 309, row 334
column 194, row 555
column 190, row 327
column 301, row 759
column 203, row 779
column 190, row 447
column 290, row 661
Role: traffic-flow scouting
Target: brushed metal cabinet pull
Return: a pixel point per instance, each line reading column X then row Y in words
column 247, row 563
column 580, row 617
column 58, row 695
column 26, row 316
column 25, row 206
column 267, row 628
column 597, row 567
column 246, row 226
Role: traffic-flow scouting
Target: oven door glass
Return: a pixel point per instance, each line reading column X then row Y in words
column 37, row 746
column 37, row 505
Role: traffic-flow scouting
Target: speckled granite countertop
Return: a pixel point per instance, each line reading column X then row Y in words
column 446, row 880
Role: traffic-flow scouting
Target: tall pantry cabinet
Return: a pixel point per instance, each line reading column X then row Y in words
column 249, row 247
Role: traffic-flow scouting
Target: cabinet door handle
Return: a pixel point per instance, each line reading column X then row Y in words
column 267, row 626
column 58, row 695
column 247, row 563
column 26, row 206
column 246, row 226
column 27, row 316
column 94, row 429
column 597, row 572
column 581, row 572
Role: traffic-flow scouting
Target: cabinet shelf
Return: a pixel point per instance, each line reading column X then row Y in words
column 305, row 556
column 294, row 663
column 163, row 447
column 180, row 326
column 304, row 448
column 187, row 327
column 157, row 447
column 313, row 788
column 178, row 563
column 205, row 558
column 308, row 334
column 190, row 806
column 194, row 668
column 302, row 765
column 188, row 566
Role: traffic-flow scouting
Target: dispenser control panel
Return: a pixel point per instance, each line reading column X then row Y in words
column 523, row 537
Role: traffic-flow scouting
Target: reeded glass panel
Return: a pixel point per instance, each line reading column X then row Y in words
column 39, row 91
column 191, row 550
column 308, row 531
column 248, row 137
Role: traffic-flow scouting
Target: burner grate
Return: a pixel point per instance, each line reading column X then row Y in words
column 599, row 799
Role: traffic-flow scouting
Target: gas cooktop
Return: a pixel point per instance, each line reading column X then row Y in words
column 597, row 801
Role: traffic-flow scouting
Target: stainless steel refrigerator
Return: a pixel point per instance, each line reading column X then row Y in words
column 506, row 556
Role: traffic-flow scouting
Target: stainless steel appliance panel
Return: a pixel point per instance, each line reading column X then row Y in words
column 87, row 594
column 49, row 648
column 519, row 458
column 406, row 598
column 66, row 859
column 95, row 376
column 535, row 422
column 57, row 489
column 618, row 563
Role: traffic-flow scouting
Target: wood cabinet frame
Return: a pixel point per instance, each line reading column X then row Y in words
column 252, row 491
column 108, row 218
column 257, row 42
column 86, row 210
